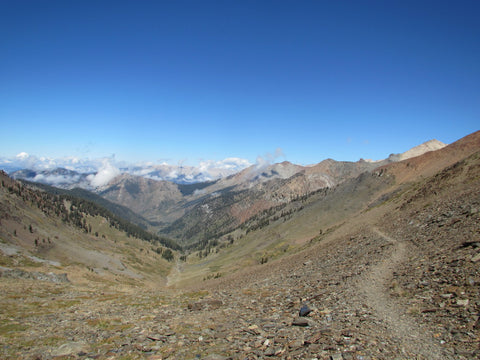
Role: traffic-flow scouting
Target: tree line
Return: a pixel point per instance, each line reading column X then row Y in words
column 73, row 210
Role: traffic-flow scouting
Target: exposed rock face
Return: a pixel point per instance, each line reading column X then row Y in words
column 221, row 211
column 33, row 275
column 70, row 348
column 433, row 161
column 234, row 199
column 155, row 200
column 421, row 149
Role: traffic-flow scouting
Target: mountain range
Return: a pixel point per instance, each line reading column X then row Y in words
column 201, row 212
column 71, row 172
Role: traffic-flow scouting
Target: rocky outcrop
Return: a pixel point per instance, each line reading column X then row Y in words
column 33, row 275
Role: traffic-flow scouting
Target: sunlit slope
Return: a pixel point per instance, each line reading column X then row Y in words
column 283, row 232
column 44, row 233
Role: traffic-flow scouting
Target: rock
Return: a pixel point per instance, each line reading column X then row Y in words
column 316, row 337
column 195, row 306
column 446, row 296
column 142, row 348
column 476, row 258
column 304, row 310
column 69, row 348
column 157, row 337
column 253, row 329
column 57, row 278
column 300, row 322
column 215, row 357
column 208, row 304
column 296, row 344
column 472, row 281
column 325, row 312
column 213, row 304
column 34, row 275
column 347, row 333
column 270, row 352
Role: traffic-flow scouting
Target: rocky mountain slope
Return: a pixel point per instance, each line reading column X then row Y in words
column 421, row 149
column 382, row 266
column 231, row 202
column 154, row 200
column 208, row 210
column 42, row 233
column 116, row 209
column 202, row 212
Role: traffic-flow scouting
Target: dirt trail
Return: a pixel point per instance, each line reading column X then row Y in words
column 174, row 275
column 375, row 287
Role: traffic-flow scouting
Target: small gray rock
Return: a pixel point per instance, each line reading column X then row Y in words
column 300, row 322
column 69, row 349
column 304, row 310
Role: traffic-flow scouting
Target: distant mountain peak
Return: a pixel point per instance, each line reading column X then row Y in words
column 418, row 150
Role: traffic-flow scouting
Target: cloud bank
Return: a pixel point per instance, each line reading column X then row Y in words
column 57, row 180
column 32, row 162
column 69, row 172
column 104, row 175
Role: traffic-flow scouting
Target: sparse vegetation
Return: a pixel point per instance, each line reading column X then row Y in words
column 400, row 278
column 74, row 210
column 167, row 254
column 212, row 276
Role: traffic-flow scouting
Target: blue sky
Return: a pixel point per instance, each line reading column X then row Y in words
column 184, row 81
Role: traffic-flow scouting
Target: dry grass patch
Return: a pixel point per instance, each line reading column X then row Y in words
column 115, row 324
column 10, row 328
column 195, row 295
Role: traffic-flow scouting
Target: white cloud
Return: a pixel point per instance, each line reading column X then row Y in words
column 25, row 161
column 172, row 174
column 98, row 172
column 56, row 180
column 199, row 192
column 106, row 173
column 268, row 159
column 231, row 163
column 22, row 156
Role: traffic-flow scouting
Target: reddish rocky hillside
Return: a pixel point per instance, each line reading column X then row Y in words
column 398, row 278
column 434, row 161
